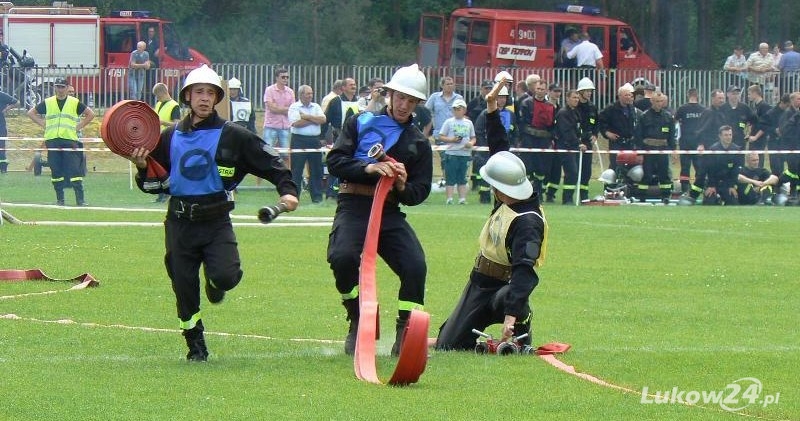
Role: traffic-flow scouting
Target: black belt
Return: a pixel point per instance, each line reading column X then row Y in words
column 199, row 212
column 586, row 66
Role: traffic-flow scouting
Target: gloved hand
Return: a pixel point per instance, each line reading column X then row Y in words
column 268, row 214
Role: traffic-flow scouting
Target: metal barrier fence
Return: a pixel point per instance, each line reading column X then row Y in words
column 103, row 87
column 673, row 82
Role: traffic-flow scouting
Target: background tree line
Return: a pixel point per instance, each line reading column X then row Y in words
column 692, row 33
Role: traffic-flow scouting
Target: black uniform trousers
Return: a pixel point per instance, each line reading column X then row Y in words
column 66, row 167
column 688, row 161
column 480, row 305
column 537, row 164
column 190, row 244
column 314, row 160
column 398, row 246
column 656, row 166
column 586, row 169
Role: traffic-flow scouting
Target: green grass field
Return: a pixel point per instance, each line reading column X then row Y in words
column 692, row 298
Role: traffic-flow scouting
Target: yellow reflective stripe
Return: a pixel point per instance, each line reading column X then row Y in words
column 665, row 186
column 697, row 189
column 408, row 305
column 76, row 179
column 56, row 180
column 352, row 294
column 192, row 322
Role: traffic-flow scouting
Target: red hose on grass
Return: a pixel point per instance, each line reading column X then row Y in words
column 15, row 275
column 414, row 349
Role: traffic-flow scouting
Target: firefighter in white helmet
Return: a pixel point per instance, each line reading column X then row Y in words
column 513, row 243
column 203, row 160
column 241, row 107
column 358, row 174
column 588, row 115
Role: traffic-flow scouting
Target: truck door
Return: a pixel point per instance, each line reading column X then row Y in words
column 479, row 53
column 430, row 40
column 119, row 40
column 458, row 46
column 534, row 45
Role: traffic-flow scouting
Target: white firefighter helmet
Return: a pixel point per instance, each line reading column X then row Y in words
column 585, row 84
column 202, row 74
column 234, row 83
column 608, row 176
column 410, row 81
column 636, row 173
column 503, row 91
column 506, row 172
column 504, row 75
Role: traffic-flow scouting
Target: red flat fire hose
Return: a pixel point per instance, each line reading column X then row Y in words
column 129, row 125
column 13, row 275
column 414, row 349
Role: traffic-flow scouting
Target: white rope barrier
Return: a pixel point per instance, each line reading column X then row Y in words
column 326, row 149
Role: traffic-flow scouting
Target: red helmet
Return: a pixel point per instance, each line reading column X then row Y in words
column 628, row 158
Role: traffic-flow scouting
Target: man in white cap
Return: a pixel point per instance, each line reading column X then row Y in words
column 412, row 165
column 459, row 133
column 201, row 161
column 513, row 243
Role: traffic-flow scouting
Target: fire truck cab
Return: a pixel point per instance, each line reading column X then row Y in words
column 93, row 51
column 524, row 38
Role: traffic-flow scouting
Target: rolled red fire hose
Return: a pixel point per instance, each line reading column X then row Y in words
column 413, row 352
column 129, row 125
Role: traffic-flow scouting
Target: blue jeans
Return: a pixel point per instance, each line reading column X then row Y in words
column 277, row 138
column 135, row 85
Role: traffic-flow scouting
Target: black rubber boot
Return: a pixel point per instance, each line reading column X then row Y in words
column 399, row 335
column 77, row 186
column 351, row 306
column 196, row 343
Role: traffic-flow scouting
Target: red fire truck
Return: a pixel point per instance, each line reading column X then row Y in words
column 510, row 39
column 92, row 51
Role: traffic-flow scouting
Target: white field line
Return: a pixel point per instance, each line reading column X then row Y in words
column 284, row 221
column 163, row 330
column 31, row 294
column 157, row 210
column 161, row 224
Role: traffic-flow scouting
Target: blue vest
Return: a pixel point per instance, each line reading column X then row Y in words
column 194, row 170
column 374, row 129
